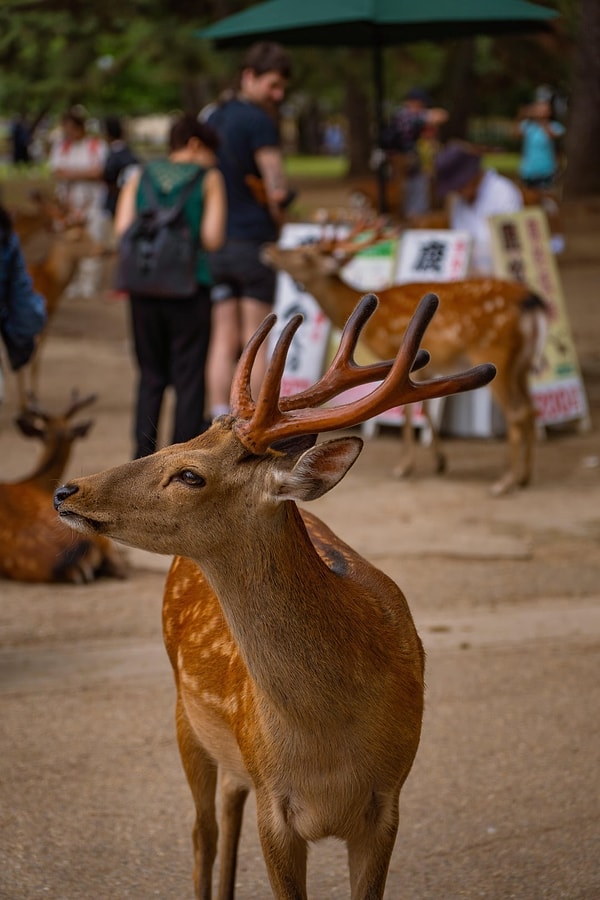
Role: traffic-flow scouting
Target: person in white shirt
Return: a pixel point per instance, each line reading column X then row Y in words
column 77, row 162
column 475, row 195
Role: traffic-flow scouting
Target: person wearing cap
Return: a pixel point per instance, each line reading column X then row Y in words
column 474, row 195
column 411, row 123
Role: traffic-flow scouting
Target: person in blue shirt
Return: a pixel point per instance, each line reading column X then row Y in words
column 540, row 133
column 22, row 310
column 251, row 161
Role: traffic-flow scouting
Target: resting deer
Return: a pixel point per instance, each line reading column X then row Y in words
column 489, row 319
column 298, row 668
column 33, row 545
column 69, row 241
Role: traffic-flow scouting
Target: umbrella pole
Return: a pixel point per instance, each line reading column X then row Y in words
column 381, row 171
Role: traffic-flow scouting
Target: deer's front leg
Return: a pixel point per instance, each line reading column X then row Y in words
column 233, row 798
column 201, row 773
column 284, row 851
column 407, row 463
column 369, row 853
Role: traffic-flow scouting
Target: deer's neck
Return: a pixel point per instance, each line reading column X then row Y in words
column 53, row 275
column 281, row 607
column 48, row 473
column 336, row 298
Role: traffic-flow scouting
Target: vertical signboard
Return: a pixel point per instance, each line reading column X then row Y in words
column 522, row 252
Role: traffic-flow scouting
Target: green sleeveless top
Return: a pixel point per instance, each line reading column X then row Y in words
column 169, row 179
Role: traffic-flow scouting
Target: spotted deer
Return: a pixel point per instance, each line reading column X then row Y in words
column 298, row 668
column 34, row 547
column 480, row 319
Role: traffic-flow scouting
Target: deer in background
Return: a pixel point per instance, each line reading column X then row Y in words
column 35, row 547
column 68, row 242
column 298, row 668
column 480, row 319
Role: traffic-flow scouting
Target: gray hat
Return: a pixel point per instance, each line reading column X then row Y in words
column 455, row 167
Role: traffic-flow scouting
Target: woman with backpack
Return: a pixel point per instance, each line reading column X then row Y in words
column 171, row 321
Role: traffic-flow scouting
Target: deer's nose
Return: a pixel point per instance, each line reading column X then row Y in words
column 63, row 493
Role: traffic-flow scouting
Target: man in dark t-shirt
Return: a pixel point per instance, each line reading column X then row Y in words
column 252, row 165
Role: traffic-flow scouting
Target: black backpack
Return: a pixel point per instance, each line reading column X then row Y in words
column 158, row 253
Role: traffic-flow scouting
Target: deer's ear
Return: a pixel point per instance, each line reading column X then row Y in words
column 317, row 470
column 81, row 429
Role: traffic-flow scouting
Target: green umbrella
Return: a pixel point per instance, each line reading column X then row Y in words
column 375, row 24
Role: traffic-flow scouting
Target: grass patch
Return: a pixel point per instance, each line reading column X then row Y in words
column 337, row 166
column 504, row 163
column 316, row 166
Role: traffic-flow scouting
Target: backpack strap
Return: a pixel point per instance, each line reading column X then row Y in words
column 171, row 212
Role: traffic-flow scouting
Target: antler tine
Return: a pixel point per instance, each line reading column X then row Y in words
column 240, row 398
column 343, row 373
column 349, row 247
column 77, row 404
column 266, row 415
column 33, row 408
column 275, row 423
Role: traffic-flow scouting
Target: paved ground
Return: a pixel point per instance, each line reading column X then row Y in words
column 503, row 801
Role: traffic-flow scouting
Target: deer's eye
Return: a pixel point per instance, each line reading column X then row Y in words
column 191, row 478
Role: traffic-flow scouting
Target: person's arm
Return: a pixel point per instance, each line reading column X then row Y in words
column 126, row 210
column 436, row 116
column 270, row 165
column 93, row 172
column 212, row 226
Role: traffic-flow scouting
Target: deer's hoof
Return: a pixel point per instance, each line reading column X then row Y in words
column 403, row 470
column 505, row 485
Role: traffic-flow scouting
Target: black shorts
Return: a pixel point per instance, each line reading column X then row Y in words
column 237, row 271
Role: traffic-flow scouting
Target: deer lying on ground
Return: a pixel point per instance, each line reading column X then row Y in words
column 33, row 545
column 483, row 319
column 298, row 668
column 68, row 243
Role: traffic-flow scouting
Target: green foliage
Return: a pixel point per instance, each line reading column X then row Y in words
column 119, row 56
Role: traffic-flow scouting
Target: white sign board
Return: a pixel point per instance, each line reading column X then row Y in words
column 433, row 255
column 306, row 357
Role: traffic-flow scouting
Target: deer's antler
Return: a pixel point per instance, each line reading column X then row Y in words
column 271, row 418
column 345, row 248
column 78, row 403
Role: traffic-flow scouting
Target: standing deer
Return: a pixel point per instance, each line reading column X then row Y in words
column 35, row 547
column 298, row 668
column 481, row 319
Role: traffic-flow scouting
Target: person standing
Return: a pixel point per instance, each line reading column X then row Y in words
column 171, row 334
column 118, row 164
column 540, row 133
column 475, row 195
column 251, row 161
column 412, row 122
column 77, row 161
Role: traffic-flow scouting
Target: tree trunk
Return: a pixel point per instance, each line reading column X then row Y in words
column 583, row 134
column 457, row 97
column 360, row 142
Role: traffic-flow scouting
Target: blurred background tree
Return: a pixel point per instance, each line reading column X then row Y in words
column 134, row 57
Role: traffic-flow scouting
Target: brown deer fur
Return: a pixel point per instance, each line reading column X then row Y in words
column 33, row 545
column 298, row 668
